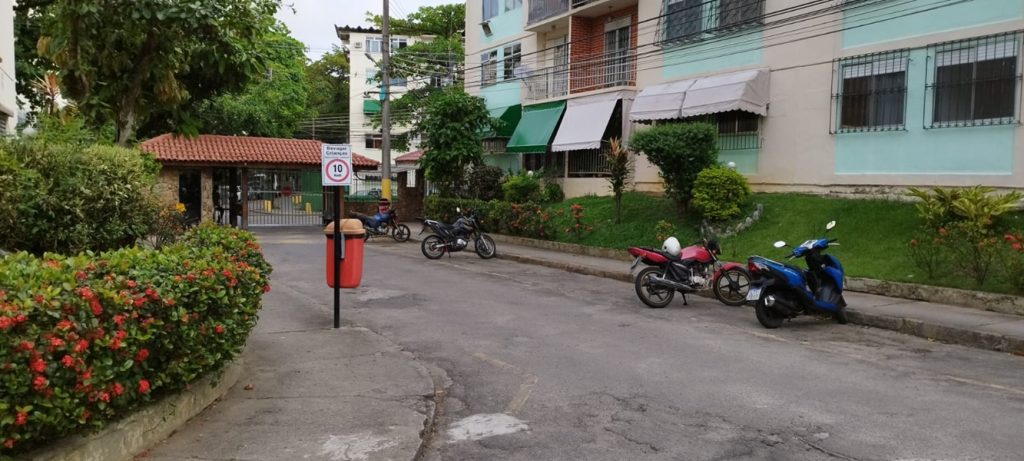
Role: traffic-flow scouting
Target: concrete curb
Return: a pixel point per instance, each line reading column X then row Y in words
column 125, row 439
column 1005, row 304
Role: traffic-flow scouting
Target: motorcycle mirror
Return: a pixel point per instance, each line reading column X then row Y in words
column 780, row 244
column 830, row 225
column 458, row 210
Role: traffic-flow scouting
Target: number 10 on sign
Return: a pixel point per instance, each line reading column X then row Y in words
column 336, row 164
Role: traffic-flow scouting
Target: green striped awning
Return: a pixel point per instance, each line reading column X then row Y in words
column 509, row 117
column 371, row 106
column 535, row 128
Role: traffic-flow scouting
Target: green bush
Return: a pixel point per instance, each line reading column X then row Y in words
column 719, row 192
column 552, row 193
column 976, row 206
column 64, row 198
column 485, row 183
column 89, row 338
column 521, row 188
column 680, row 151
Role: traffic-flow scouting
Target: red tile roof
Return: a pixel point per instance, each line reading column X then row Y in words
column 229, row 150
column 411, row 157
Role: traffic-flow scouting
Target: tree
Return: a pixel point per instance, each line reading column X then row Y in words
column 327, row 79
column 681, row 151
column 270, row 106
column 428, row 65
column 620, row 172
column 451, row 125
column 130, row 61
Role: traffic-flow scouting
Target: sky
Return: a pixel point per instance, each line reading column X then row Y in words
column 312, row 21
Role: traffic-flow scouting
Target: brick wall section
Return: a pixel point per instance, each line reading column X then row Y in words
column 586, row 50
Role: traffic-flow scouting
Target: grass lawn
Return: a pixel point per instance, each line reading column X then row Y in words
column 873, row 234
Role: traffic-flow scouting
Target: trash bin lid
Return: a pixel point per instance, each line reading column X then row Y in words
column 348, row 227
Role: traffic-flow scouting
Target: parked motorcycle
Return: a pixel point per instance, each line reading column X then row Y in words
column 383, row 224
column 781, row 291
column 687, row 270
column 455, row 237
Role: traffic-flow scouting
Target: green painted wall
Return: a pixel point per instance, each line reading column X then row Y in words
column 986, row 150
column 739, row 50
column 504, row 25
column 501, row 94
column 746, row 159
column 862, row 26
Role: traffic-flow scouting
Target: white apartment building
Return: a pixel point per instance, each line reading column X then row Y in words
column 363, row 45
column 8, row 91
column 842, row 96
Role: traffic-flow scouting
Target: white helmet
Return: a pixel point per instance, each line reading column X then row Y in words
column 671, row 246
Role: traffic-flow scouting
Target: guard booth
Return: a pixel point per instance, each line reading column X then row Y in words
column 244, row 181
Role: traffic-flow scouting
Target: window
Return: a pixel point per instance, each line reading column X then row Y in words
column 397, row 81
column 683, row 19
column 513, row 57
column 739, row 12
column 512, row 4
column 490, row 9
column 976, row 81
column 617, row 65
column 489, row 67
column 872, row 92
column 373, row 44
column 374, row 141
column 737, row 122
column 398, row 43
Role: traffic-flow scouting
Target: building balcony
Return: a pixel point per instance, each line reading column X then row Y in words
column 608, row 70
column 546, row 13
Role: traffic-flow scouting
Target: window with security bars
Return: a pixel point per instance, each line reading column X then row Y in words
column 872, row 92
column 489, row 67
column 550, row 162
column 976, row 82
column 690, row 19
column 512, row 56
column 737, row 129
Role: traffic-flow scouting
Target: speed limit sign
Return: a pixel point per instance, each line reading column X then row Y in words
column 336, row 164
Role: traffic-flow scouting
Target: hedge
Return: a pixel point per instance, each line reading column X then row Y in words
column 88, row 338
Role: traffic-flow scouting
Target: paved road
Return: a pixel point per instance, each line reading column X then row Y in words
column 563, row 366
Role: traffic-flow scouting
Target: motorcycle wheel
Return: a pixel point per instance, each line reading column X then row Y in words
column 485, row 247
column 652, row 296
column 766, row 315
column 401, row 233
column 432, row 247
column 840, row 315
column 731, row 287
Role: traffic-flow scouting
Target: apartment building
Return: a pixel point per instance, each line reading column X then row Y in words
column 8, row 92
column 842, row 95
column 363, row 45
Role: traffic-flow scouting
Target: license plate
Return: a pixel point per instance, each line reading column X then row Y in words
column 754, row 294
column 635, row 262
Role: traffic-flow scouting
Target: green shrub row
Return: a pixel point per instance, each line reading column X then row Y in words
column 88, row 338
column 67, row 198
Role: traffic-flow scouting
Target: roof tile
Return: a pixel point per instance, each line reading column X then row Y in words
column 241, row 150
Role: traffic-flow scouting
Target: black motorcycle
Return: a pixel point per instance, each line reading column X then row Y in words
column 455, row 237
column 383, row 225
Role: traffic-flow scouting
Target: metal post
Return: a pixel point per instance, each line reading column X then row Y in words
column 245, row 198
column 385, row 106
column 339, row 254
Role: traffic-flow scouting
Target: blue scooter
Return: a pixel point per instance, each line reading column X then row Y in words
column 782, row 291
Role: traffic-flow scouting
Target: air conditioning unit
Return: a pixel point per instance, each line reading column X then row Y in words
column 358, row 45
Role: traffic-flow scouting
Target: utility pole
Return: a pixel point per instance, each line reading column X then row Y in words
column 385, row 105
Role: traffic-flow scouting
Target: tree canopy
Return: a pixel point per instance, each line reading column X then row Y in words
column 152, row 61
column 451, row 127
column 272, row 105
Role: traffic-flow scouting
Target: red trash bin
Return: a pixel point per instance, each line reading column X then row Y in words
column 352, row 266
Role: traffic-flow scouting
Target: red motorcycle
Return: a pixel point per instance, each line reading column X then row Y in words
column 691, row 269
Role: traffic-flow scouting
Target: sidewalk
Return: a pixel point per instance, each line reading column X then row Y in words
column 316, row 392
column 946, row 323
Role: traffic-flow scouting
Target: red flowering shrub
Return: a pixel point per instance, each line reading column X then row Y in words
column 85, row 339
column 577, row 227
column 1013, row 261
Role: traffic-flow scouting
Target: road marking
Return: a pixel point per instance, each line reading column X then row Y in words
column 354, row 447
column 481, row 426
column 515, row 405
column 984, row 384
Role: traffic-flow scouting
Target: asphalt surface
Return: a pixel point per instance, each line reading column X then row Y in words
column 543, row 364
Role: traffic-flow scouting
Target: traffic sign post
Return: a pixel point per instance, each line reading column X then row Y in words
column 336, row 166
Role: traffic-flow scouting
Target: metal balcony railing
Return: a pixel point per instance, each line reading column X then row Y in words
column 544, row 9
column 616, row 68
